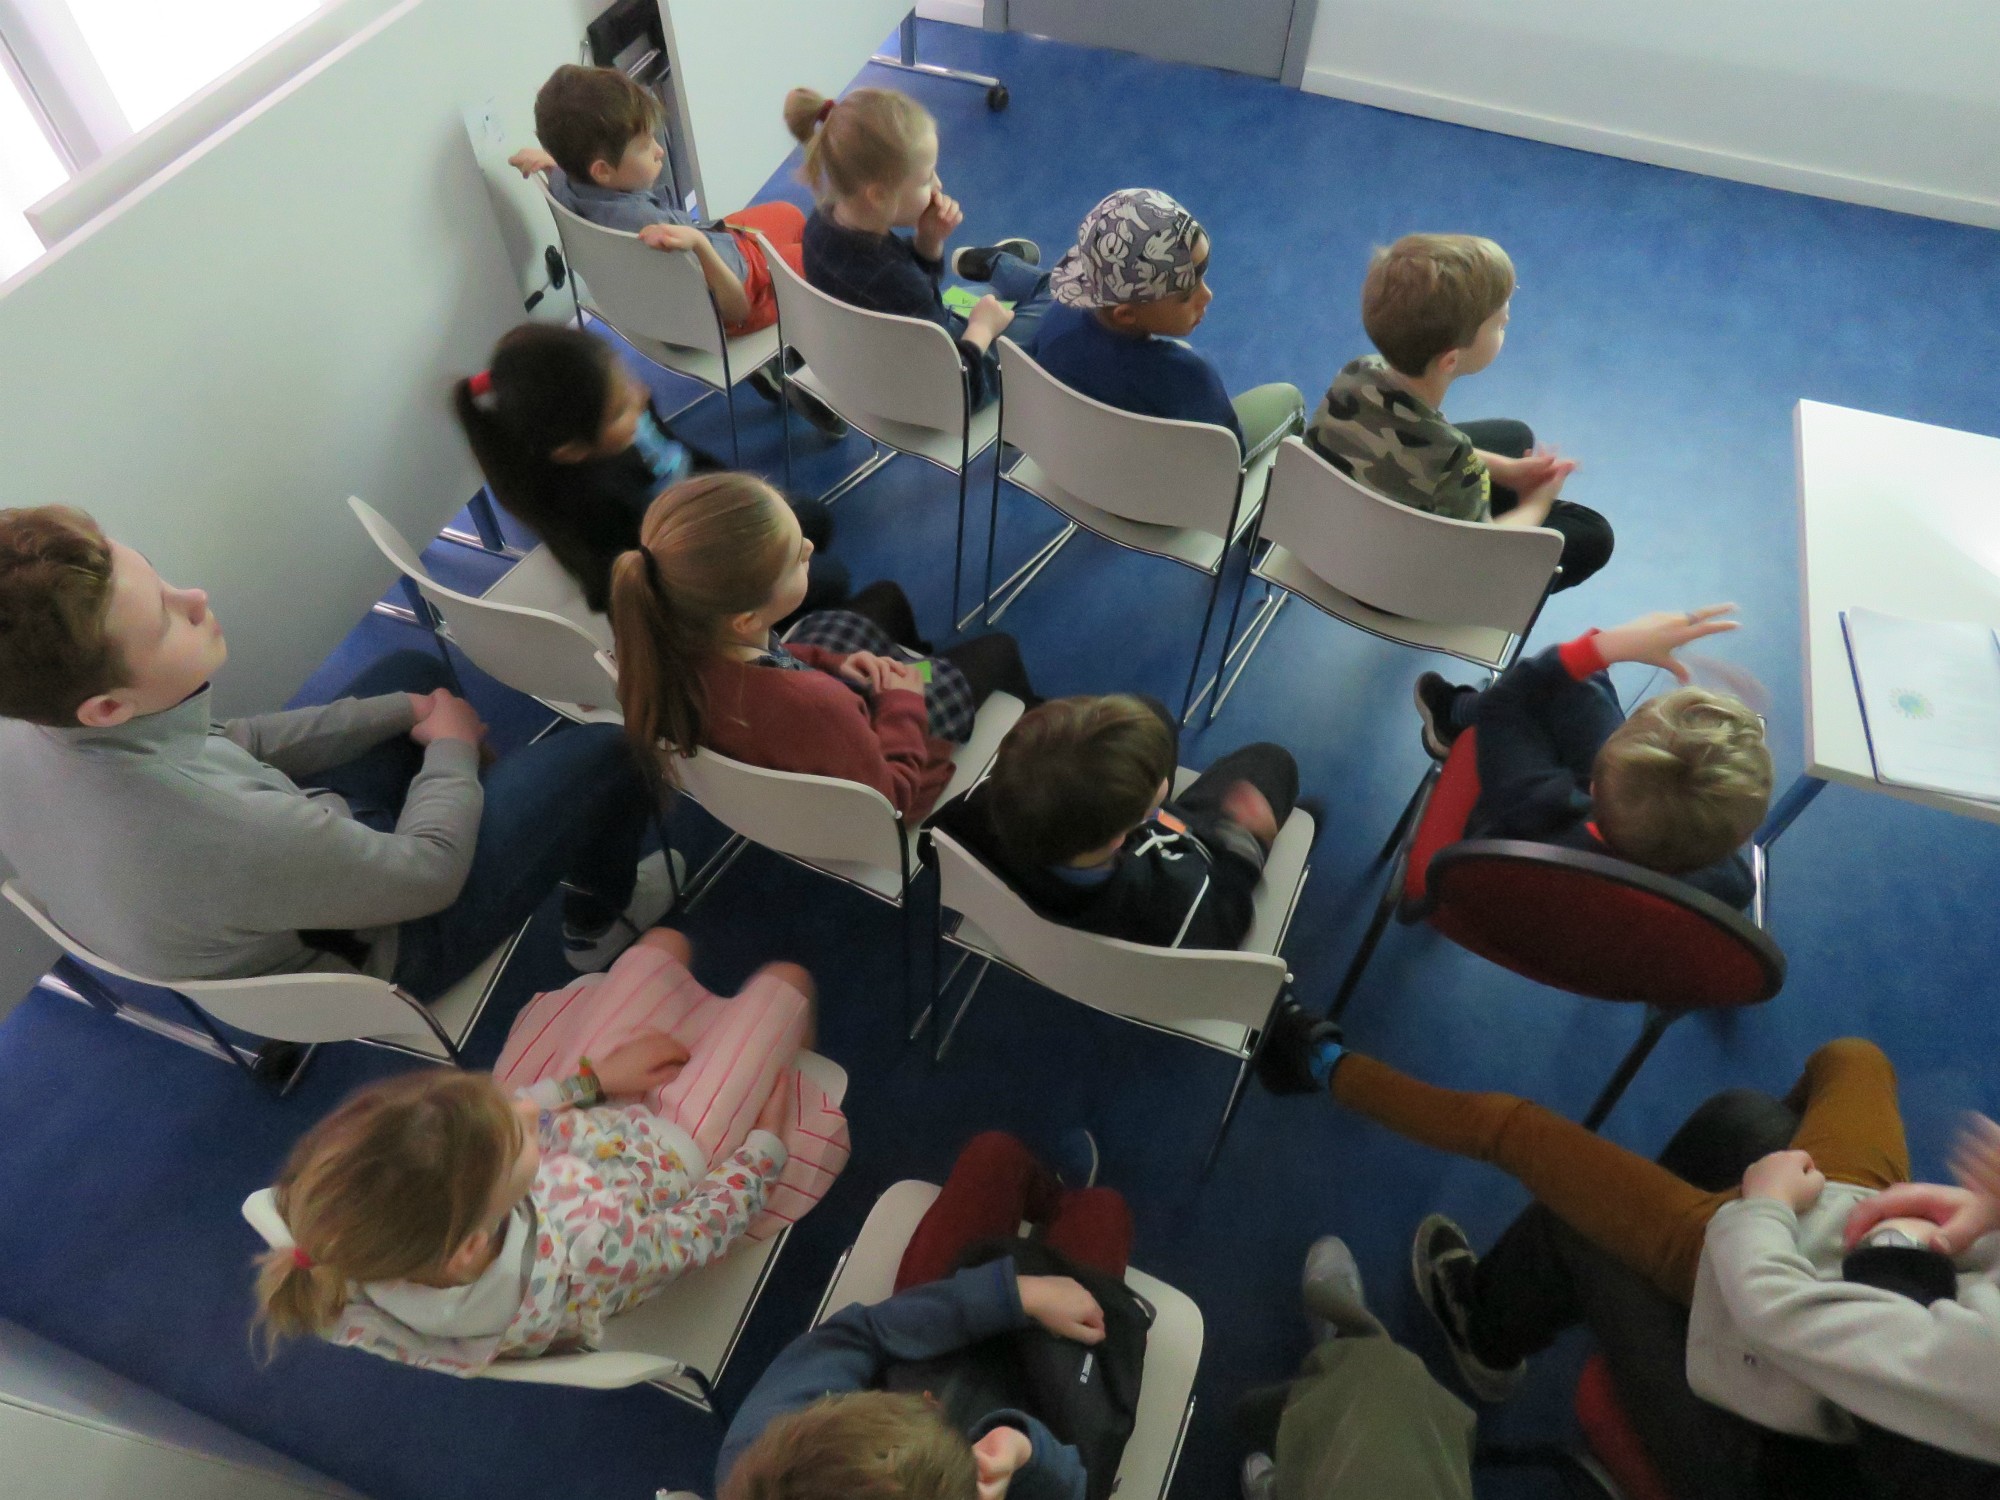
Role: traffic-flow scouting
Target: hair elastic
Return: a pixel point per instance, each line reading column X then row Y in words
column 481, row 384
column 825, row 110
column 653, row 578
column 302, row 1260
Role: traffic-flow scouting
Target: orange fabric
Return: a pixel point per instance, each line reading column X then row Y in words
column 784, row 225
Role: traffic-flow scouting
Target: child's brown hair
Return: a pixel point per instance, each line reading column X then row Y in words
column 55, row 591
column 1683, row 781
column 384, row 1189
column 1076, row 773
column 863, row 1445
column 868, row 138
column 1427, row 294
column 585, row 115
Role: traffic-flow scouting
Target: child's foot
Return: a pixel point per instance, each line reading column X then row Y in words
column 1260, row 1477
column 823, row 418
column 1295, row 1042
column 653, row 891
column 1436, row 702
column 1331, row 1276
column 1442, row 1260
column 1074, row 1157
column 1250, row 810
column 976, row 262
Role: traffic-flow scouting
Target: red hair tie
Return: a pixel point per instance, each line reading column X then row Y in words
column 481, row 384
column 825, row 110
column 302, row 1260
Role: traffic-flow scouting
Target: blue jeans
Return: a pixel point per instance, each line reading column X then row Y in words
column 570, row 809
column 1027, row 287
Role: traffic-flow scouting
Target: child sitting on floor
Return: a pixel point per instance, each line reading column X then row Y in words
column 570, row 445
column 1677, row 787
column 441, row 1220
column 603, row 160
column 871, row 161
column 1126, row 298
column 851, row 693
column 1436, row 306
column 1078, row 815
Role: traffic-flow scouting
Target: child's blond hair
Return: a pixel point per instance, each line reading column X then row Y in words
column 1683, row 781
column 864, row 1445
column 585, row 115
column 384, row 1189
column 868, row 138
column 1427, row 294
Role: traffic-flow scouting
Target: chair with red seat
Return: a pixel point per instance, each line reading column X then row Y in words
column 1574, row 920
column 1609, row 1435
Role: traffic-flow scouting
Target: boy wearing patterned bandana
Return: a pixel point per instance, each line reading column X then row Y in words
column 1126, row 297
column 1436, row 306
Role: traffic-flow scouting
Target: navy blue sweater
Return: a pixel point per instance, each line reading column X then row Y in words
column 1540, row 728
column 884, row 273
column 851, row 1350
column 1140, row 372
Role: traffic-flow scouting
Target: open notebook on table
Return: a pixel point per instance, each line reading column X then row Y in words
column 1930, row 701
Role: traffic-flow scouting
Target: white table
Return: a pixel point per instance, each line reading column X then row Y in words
column 1896, row 516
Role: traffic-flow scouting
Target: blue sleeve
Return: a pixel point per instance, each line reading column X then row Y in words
column 1526, row 788
column 1053, row 1472
column 850, row 1350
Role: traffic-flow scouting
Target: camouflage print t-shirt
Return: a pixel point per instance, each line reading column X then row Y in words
column 1373, row 430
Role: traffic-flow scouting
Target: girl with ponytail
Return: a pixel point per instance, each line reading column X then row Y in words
column 571, row 447
column 448, row 1219
column 853, row 693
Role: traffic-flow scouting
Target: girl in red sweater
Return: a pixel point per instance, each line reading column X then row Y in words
column 852, row 693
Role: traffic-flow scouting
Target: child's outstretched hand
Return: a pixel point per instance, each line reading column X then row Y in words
column 670, row 236
column 998, row 1457
column 772, row 1116
column 1061, row 1305
column 1655, row 638
column 531, row 159
column 1251, row 811
column 935, row 224
column 640, row 1065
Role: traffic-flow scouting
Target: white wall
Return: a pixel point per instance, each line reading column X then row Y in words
column 1892, row 105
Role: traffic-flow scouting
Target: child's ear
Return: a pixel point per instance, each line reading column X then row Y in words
column 1120, row 315
column 1446, row 364
column 749, row 623
column 602, row 171
column 461, row 1263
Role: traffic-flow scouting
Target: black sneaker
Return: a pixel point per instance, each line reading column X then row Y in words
column 1442, row 1260
column 976, row 262
column 764, row 380
column 1282, row 1060
column 1436, row 699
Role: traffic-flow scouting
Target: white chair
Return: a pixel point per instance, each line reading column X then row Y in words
column 898, row 381
column 840, row 828
column 1184, row 491
column 680, row 1340
column 866, row 1273
column 531, row 630
column 1464, row 588
column 308, row 1008
column 659, row 302
column 1221, row 998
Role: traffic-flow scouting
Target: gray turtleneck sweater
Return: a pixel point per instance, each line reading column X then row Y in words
column 182, row 849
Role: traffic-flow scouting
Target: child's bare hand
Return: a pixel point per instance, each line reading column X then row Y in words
column 935, row 224
column 772, row 1116
column 448, row 718
column 670, row 236
column 640, row 1065
column 988, row 319
column 866, row 670
column 1975, row 1161
column 998, row 1457
column 1250, row 809
column 901, row 677
column 1960, row 1216
column 1655, row 638
column 1062, row 1305
column 531, row 159
column 1787, row 1177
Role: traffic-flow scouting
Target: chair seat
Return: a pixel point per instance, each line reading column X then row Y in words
column 746, row 353
column 538, row 581
column 932, row 444
column 1182, row 544
column 1482, row 645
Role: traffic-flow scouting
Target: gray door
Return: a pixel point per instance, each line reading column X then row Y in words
column 1245, row 36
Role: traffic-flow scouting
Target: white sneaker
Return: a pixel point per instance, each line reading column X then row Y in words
column 1330, row 1269
column 1260, row 1477
column 653, row 892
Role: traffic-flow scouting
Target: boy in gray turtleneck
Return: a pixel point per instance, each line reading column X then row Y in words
column 186, row 849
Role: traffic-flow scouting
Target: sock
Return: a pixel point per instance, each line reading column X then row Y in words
column 1321, row 1057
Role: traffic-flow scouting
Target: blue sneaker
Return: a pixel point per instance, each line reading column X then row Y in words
column 1074, row 1157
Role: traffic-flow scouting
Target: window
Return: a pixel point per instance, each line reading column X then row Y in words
column 154, row 54
column 29, row 169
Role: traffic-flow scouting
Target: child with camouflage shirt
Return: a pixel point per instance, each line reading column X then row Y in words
column 1436, row 306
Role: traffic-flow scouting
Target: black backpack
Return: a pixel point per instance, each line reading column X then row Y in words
column 1087, row 1395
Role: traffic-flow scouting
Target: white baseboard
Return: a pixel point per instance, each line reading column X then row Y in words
column 958, row 12
column 1611, row 141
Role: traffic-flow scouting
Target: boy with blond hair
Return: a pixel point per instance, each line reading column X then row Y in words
column 1437, row 307
column 1678, row 787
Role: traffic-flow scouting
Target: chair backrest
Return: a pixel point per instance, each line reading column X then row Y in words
column 640, row 291
column 871, row 363
column 1150, row 469
column 1403, row 560
column 332, row 1006
column 1600, row 927
column 533, row 651
column 1164, row 986
column 816, row 818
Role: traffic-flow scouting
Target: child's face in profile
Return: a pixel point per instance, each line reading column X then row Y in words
column 1176, row 316
column 636, row 170
column 908, row 199
column 790, row 592
column 1485, row 346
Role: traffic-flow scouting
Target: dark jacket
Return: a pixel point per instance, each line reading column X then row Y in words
column 1540, row 728
column 851, row 1350
column 884, row 273
column 1187, row 879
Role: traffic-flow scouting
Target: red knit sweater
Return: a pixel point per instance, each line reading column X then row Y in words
column 814, row 723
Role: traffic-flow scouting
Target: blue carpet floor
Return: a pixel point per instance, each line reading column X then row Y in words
column 1665, row 325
